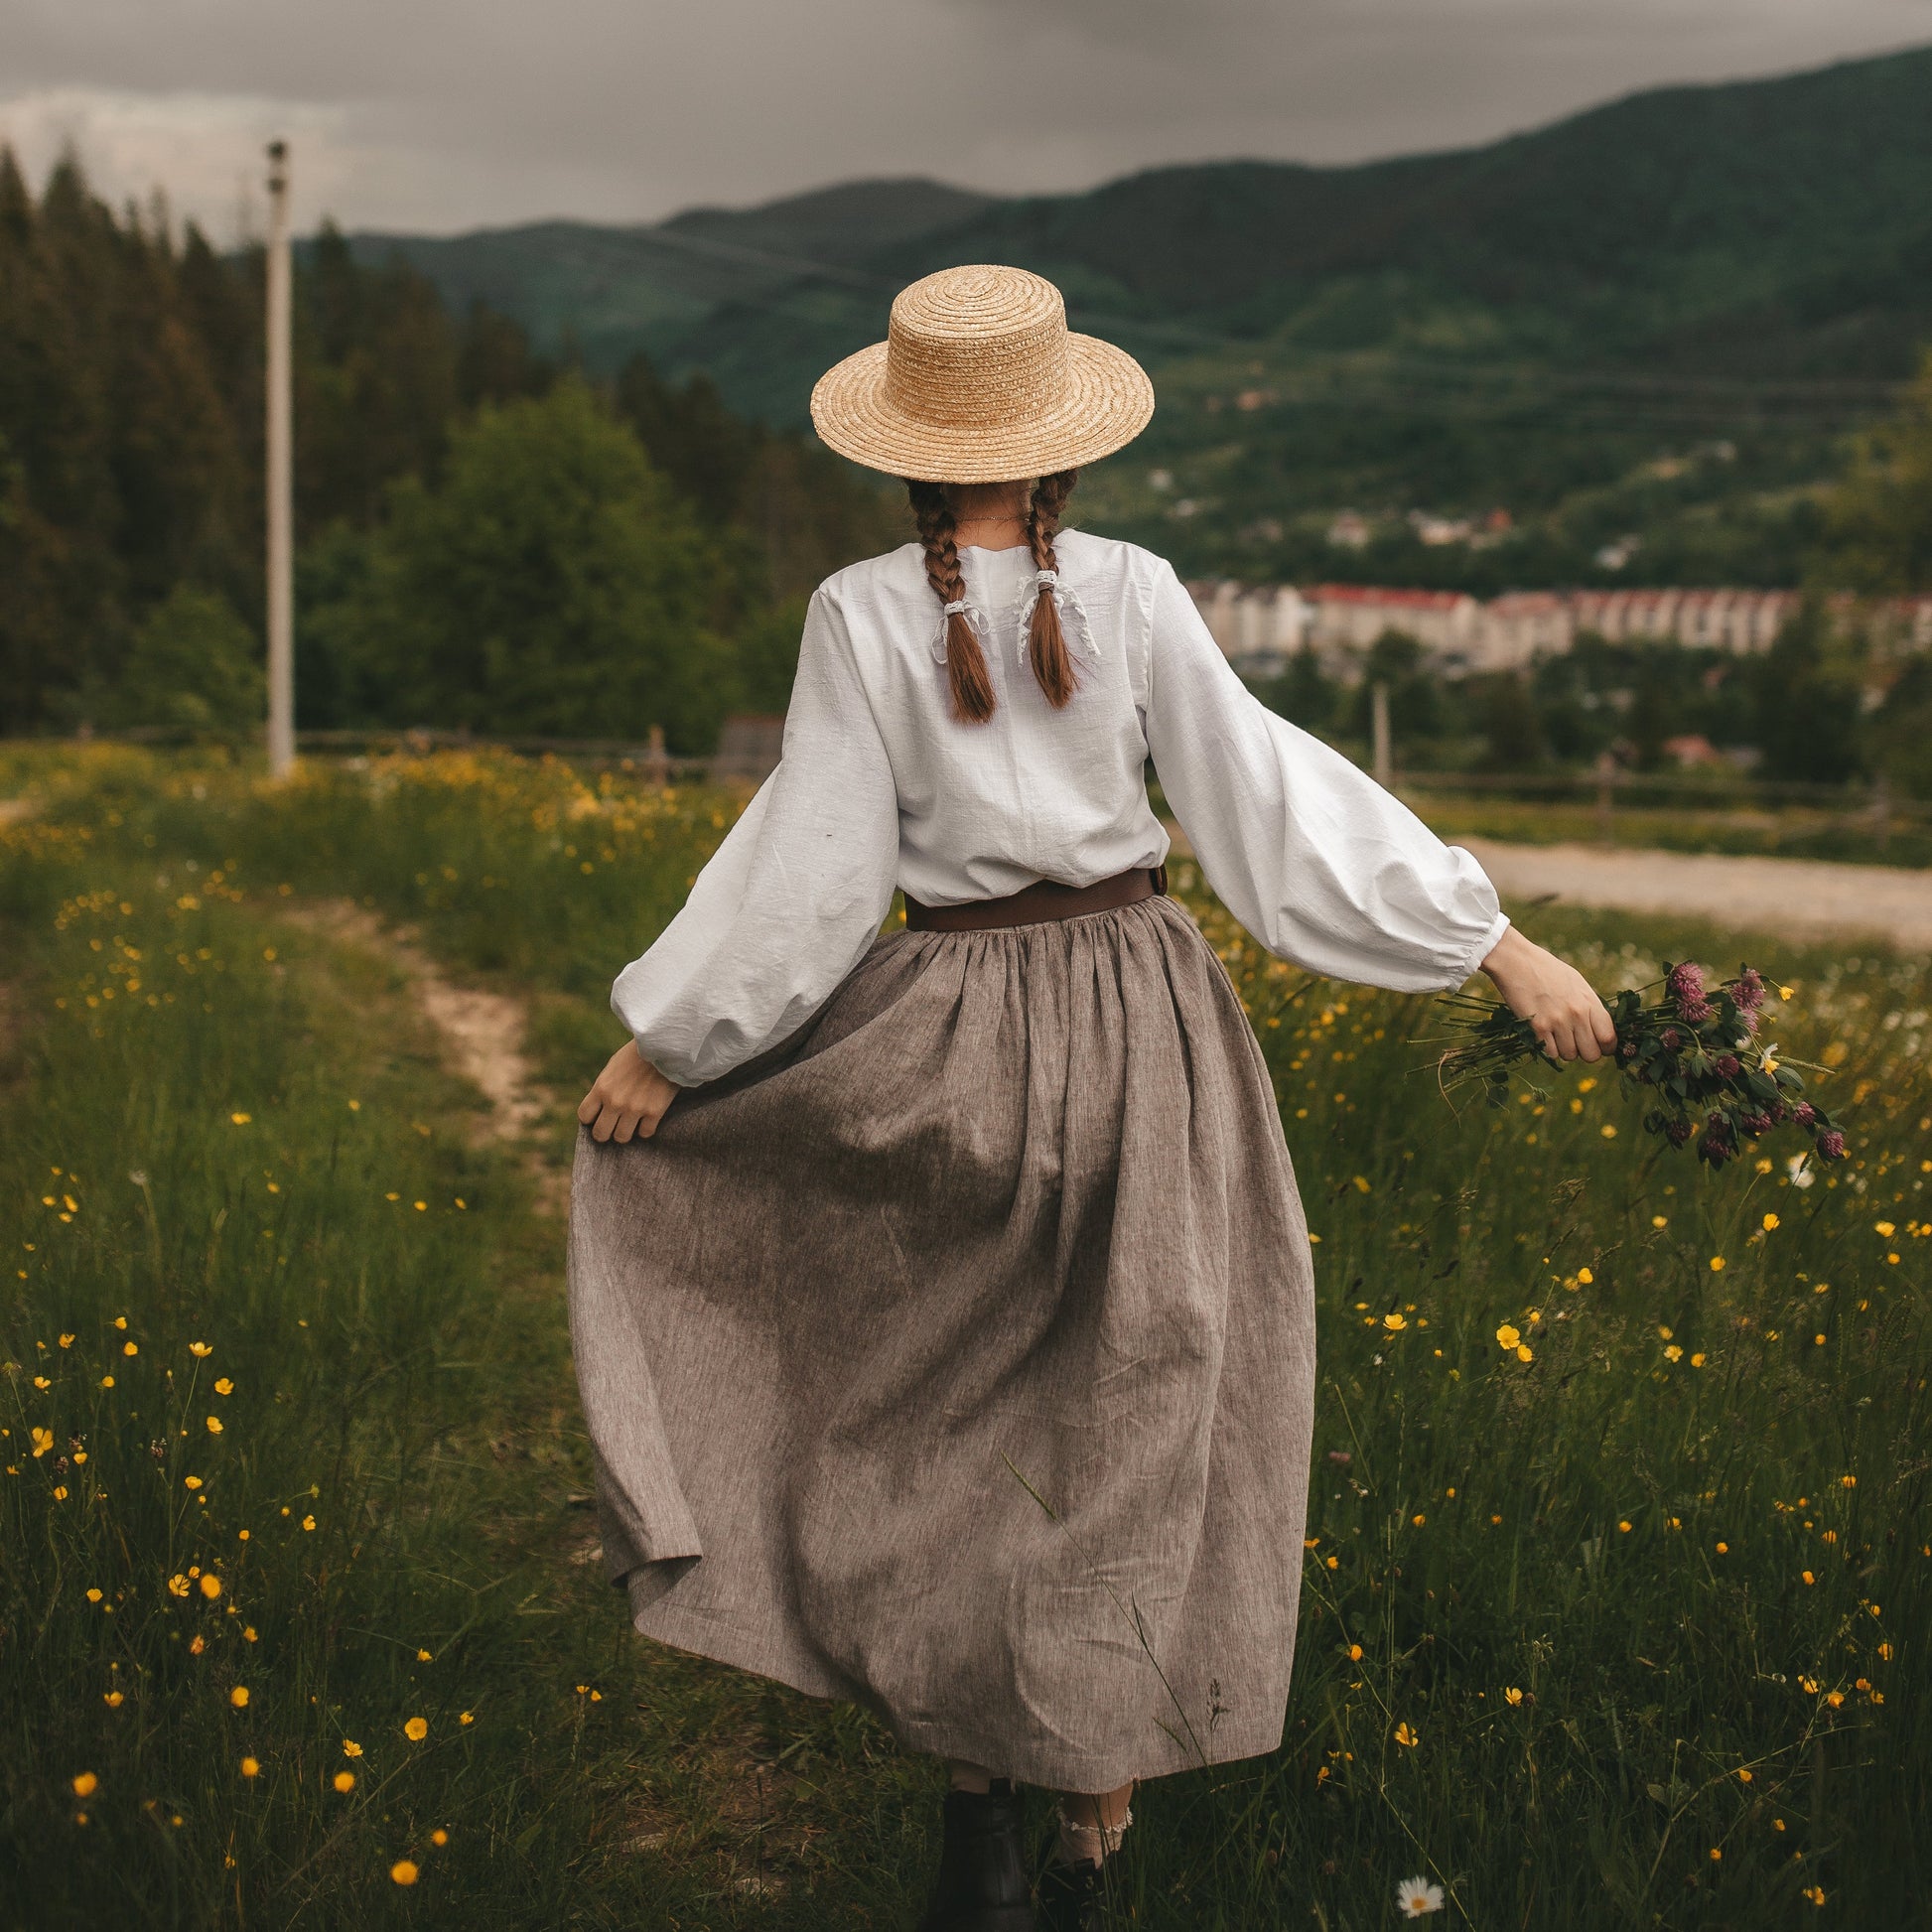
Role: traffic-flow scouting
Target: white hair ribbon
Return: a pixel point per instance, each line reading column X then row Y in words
column 976, row 622
column 1074, row 627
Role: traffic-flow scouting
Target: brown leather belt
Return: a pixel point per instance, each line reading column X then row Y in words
column 1044, row 898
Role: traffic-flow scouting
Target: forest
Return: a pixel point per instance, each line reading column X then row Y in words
column 494, row 538
column 487, row 538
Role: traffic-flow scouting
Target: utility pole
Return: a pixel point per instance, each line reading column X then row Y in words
column 1379, row 733
column 279, row 467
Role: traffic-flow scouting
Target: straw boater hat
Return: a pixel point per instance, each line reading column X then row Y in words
column 980, row 381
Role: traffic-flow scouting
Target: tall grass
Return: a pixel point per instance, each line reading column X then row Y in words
column 1628, row 1631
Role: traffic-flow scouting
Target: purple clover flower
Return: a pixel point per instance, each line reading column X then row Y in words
column 1685, row 984
column 1750, row 991
column 1718, row 1143
column 1727, row 1066
column 1831, row 1144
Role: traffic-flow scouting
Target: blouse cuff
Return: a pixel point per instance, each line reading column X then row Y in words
column 644, row 1054
column 1481, row 950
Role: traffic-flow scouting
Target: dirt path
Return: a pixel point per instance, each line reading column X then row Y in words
column 482, row 1033
column 1797, row 895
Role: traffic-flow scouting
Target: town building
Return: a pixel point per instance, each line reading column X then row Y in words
column 1351, row 616
column 1257, row 627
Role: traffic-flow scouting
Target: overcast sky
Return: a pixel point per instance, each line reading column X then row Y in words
column 443, row 114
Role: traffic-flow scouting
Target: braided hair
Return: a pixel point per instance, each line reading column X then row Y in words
column 1045, row 642
column 971, row 683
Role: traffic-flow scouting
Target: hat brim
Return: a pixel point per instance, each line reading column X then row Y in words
column 1108, row 401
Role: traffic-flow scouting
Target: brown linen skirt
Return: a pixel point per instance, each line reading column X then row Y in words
column 956, row 1356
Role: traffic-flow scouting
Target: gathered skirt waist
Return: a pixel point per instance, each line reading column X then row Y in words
column 1044, row 898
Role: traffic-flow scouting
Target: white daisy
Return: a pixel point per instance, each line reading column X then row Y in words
column 1416, row 1897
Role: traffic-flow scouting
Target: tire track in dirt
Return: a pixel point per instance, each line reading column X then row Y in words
column 482, row 1033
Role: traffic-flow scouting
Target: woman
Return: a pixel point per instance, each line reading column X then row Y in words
column 941, row 1300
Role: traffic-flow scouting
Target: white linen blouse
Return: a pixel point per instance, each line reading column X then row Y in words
column 879, row 786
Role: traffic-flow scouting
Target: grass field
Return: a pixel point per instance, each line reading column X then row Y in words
column 1630, row 1633
column 1790, row 832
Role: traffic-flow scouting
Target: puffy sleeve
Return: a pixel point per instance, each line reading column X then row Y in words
column 791, row 900
column 1316, row 859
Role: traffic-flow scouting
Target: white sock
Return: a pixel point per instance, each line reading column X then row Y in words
column 1090, row 1844
column 967, row 1776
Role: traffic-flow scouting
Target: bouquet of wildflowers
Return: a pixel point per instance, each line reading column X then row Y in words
column 1694, row 1052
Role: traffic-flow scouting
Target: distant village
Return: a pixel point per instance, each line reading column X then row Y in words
column 1259, row 626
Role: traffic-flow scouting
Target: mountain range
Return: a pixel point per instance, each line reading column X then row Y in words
column 1743, row 268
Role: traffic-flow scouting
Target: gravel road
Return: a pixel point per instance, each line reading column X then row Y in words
column 1797, row 895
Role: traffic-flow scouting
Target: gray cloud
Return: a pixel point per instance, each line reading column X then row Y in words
column 446, row 113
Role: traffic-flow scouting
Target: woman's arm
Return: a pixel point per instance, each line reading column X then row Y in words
column 1319, row 862
column 1322, row 863
column 783, row 911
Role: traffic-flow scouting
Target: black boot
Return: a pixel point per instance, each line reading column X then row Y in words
column 982, row 1882
column 1069, row 1895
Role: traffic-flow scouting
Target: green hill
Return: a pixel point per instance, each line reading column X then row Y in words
column 612, row 291
column 1652, row 318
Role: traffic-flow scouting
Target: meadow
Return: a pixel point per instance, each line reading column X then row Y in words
column 1616, row 1575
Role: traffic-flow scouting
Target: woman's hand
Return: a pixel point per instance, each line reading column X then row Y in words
column 629, row 1097
column 1569, row 1020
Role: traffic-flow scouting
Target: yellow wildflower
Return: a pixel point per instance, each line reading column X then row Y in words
column 345, row 1780
column 238, row 1696
column 416, row 1729
column 403, row 1872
